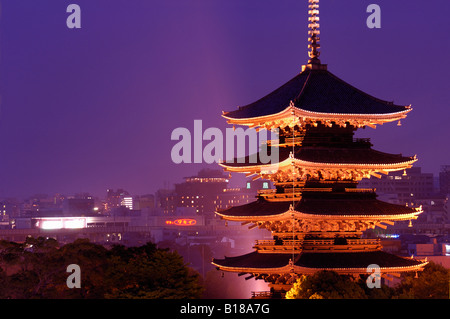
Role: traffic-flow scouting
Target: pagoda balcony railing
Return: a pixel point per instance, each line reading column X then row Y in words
column 315, row 189
column 266, row 191
column 317, row 245
column 327, row 245
column 291, row 190
column 295, row 193
column 360, row 190
column 281, row 197
column 288, row 141
column 299, row 139
column 268, row 295
column 274, row 246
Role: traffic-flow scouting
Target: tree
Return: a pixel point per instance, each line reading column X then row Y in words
column 431, row 283
column 148, row 272
column 326, row 285
column 38, row 269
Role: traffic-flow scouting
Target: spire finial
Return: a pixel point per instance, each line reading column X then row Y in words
column 313, row 32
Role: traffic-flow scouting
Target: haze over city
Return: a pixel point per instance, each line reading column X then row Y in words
column 88, row 109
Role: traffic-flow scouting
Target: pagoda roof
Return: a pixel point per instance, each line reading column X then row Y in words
column 323, row 155
column 310, row 262
column 320, row 205
column 318, row 91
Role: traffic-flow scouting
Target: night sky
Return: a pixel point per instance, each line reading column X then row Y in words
column 83, row 110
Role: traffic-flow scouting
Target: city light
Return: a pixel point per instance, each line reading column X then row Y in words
column 50, row 224
column 61, row 223
column 75, row 223
column 447, row 249
column 127, row 202
column 182, row 222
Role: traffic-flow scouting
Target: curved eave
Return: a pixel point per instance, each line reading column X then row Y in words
column 279, row 270
column 307, row 270
column 316, row 165
column 291, row 110
column 289, row 214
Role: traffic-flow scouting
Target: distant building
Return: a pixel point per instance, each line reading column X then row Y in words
column 444, row 179
column 81, row 205
column 40, row 205
column 9, row 208
column 144, row 201
column 201, row 191
column 166, row 200
column 127, row 202
column 435, row 209
column 115, row 199
column 403, row 187
column 240, row 196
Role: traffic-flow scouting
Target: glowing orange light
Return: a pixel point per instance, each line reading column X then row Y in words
column 182, row 222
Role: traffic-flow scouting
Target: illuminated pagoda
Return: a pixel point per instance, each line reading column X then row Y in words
column 315, row 213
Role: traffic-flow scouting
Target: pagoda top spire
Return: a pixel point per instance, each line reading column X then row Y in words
column 313, row 32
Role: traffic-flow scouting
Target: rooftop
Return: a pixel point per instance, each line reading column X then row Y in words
column 317, row 90
column 351, row 204
column 334, row 261
column 333, row 155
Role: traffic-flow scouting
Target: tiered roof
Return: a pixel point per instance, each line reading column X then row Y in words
column 322, row 205
column 317, row 95
column 317, row 91
column 307, row 263
column 324, row 155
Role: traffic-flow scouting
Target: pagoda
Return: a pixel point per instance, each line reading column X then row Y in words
column 316, row 214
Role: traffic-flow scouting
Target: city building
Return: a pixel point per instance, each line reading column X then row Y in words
column 144, row 201
column 166, row 199
column 316, row 214
column 402, row 187
column 115, row 199
column 201, row 190
column 240, row 195
column 414, row 188
column 127, row 202
column 79, row 205
column 444, row 179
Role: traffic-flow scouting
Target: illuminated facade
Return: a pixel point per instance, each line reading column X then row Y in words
column 316, row 214
column 127, row 202
column 407, row 186
column 199, row 192
column 115, row 199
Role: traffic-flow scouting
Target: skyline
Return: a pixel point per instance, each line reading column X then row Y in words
column 93, row 108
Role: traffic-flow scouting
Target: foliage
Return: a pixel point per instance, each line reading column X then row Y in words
column 432, row 283
column 147, row 272
column 325, row 285
column 37, row 269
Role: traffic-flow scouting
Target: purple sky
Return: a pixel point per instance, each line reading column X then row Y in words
column 93, row 108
